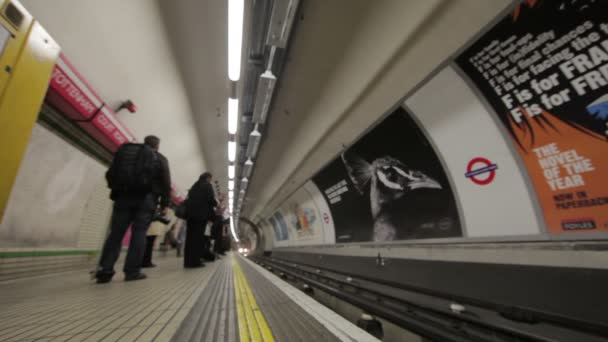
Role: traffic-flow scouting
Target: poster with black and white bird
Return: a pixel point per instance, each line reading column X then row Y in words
column 389, row 186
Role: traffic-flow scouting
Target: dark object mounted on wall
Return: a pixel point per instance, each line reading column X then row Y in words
column 128, row 105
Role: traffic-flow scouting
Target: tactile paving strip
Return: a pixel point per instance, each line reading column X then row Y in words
column 286, row 319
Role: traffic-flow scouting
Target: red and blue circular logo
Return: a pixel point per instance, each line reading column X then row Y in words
column 481, row 171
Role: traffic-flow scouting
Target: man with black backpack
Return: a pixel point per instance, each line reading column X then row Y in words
column 139, row 177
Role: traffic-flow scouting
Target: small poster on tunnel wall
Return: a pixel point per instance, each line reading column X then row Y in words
column 544, row 70
column 389, row 186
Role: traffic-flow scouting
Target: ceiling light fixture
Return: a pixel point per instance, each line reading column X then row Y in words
column 236, row 9
column 244, row 184
column 230, row 185
column 231, row 171
column 247, row 168
column 281, row 22
column 231, row 151
column 233, row 115
column 233, row 231
column 264, row 96
column 254, row 142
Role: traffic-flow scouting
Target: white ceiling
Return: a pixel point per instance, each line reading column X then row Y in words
column 122, row 49
column 350, row 61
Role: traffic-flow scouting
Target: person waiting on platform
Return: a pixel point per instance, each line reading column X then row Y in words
column 218, row 224
column 200, row 203
column 139, row 180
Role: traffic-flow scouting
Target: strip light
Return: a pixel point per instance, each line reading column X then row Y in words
column 231, row 171
column 236, row 8
column 233, row 231
column 233, row 115
column 230, row 185
column 231, row 151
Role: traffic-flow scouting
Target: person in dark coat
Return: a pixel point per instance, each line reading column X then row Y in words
column 199, row 208
column 133, row 207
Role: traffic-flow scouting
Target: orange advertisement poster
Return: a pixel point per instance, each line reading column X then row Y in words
column 569, row 169
column 544, row 70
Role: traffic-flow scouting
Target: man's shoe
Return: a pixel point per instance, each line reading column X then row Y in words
column 194, row 266
column 148, row 265
column 103, row 278
column 135, row 276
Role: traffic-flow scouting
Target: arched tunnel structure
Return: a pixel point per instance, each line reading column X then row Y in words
column 303, row 170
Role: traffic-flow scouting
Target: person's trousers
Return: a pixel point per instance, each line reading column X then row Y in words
column 193, row 248
column 216, row 235
column 139, row 212
column 217, row 244
column 147, row 260
column 207, row 252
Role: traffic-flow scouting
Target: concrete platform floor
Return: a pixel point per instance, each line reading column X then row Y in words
column 72, row 307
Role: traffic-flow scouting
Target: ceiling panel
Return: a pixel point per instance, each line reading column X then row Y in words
column 198, row 31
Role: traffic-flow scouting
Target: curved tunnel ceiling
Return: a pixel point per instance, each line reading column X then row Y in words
column 349, row 63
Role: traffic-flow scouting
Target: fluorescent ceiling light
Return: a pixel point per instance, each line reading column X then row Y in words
column 231, row 171
column 230, row 185
column 236, row 8
column 233, row 115
column 231, row 151
column 230, row 194
column 233, row 231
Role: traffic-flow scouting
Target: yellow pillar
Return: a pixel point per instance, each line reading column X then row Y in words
column 26, row 64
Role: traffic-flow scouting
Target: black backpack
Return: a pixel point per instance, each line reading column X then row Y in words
column 134, row 169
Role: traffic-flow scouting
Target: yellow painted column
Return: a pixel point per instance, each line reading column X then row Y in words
column 27, row 58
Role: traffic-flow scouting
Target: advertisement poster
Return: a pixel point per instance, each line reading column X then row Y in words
column 389, row 186
column 279, row 227
column 544, row 70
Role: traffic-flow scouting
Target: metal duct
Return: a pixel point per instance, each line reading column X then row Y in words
column 283, row 14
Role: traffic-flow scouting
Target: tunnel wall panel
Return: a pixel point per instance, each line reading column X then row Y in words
column 51, row 195
column 463, row 130
column 544, row 73
column 495, row 151
column 95, row 221
column 304, row 219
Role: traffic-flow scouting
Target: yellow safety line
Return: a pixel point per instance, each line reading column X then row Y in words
column 240, row 311
column 252, row 324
